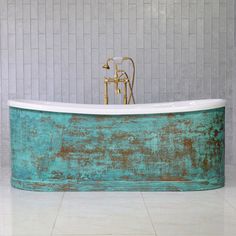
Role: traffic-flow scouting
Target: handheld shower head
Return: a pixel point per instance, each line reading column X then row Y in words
column 106, row 66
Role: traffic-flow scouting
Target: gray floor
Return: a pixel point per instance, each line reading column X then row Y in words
column 208, row 213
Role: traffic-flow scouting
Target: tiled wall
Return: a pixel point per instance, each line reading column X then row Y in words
column 233, row 130
column 54, row 50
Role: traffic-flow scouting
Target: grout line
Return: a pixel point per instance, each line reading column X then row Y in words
column 230, row 204
column 97, row 234
column 225, row 199
column 59, row 207
column 149, row 215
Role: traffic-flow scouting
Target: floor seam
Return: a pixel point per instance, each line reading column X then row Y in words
column 149, row 215
column 230, row 204
column 58, row 210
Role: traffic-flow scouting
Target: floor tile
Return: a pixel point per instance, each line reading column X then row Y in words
column 198, row 213
column 103, row 213
column 102, row 203
column 14, row 201
column 102, row 224
column 22, row 225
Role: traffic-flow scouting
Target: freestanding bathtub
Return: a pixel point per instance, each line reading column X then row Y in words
column 177, row 146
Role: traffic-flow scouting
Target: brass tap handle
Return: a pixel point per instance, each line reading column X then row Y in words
column 117, row 89
column 125, row 91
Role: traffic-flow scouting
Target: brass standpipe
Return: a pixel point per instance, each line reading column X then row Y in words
column 120, row 76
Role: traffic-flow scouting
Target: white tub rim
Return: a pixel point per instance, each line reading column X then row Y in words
column 136, row 109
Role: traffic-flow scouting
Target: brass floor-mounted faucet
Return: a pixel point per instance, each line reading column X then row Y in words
column 120, row 76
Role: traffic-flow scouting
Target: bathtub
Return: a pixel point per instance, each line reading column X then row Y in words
column 176, row 146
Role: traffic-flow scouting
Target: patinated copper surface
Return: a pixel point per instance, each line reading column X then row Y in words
column 159, row 152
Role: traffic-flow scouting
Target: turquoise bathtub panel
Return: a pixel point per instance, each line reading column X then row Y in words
column 156, row 152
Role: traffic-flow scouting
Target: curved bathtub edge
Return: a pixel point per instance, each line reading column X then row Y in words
column 143, row 186
column 133, row 109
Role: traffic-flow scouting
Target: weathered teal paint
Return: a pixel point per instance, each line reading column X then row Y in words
column 156, row 152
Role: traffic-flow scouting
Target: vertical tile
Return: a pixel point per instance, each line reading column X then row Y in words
column 117, row 17
column 35, row 63
column 109, row 9
column 12, row 79
column 19, row 9
column 124, row 34
column 27, row 49
column 19, row 34
column 102, row 16
column 49, row 33
column 26, row 18
column 177, row 18
column 215, row 33
column 185, row 9
column 185, row 33
column 11, row 19
column 12, row 48
column 147, row 18
column 177, row 46
column 34, row 33
column 27, row 81
column 140, row 33
column 72, row 82
column 109, row 33
column 140, row 9
column 56, row 18
column 170, row 33
column 132, row 19
column 87, row 83
column 58, row 86
column 50, row 75
column 192, row 48
column 42, row 19
column 3, row 9
column 162, row 47
column 72, row 19
column 200, row 33
column 34, row 9
column 170, row 9
column 95, row 33
column 193, row 18
column 125, row 7
column 80, row 34
column 79, row 9
column 49, row 9
column 72, row 51
column 57, row 49
column 87, row 18
column 162, row 18
column 4, row 34
column 162, row 84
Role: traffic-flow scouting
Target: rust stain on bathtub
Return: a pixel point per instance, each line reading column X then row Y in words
column 74, row 118
column 65, row 151
column 216, row 132
column 172, row 178
column 205, row 165
column 171, row 115
column 188, row 143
